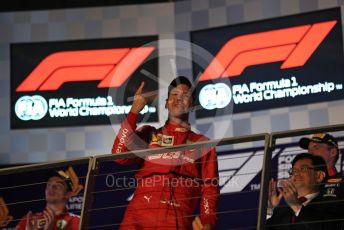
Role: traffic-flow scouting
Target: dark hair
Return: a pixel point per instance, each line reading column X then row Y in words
column 61, row 174
column 318, row 162
column 182, row 80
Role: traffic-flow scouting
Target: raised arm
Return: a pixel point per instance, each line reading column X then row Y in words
column 129, row 138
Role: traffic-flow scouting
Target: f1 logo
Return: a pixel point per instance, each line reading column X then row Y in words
column 111, row 66
column 293, row 45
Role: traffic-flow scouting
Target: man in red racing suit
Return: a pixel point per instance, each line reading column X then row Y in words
column 171, row 184
column 59, row 188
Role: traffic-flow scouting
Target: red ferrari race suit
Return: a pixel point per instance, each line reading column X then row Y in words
column 170, row 185
column 64, row 221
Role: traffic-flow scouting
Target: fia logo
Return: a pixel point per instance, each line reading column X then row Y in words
column 31, row 108
column 215, row 96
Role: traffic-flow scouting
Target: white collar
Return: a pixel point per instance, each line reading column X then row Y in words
column 310, row 197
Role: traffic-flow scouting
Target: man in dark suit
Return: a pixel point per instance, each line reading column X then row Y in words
column 326, row 146
column 304, row 208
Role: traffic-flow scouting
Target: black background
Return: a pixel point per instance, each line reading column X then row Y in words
column 26, row 56
column 325, row 64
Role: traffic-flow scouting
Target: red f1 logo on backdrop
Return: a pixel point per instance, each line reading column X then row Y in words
column 112, row 67
column 293, row 45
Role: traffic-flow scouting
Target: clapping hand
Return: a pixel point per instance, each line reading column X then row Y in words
column 274, row 198
column 43, row 220
column 289, row 193
column 5, row 219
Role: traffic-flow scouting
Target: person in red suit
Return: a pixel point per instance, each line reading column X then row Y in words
column 60, row 187
column 170, row 184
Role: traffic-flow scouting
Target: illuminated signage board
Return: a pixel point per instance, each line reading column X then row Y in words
column 272, row 63
column 84, row 82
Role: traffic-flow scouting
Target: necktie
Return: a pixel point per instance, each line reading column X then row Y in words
column 301, row 200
